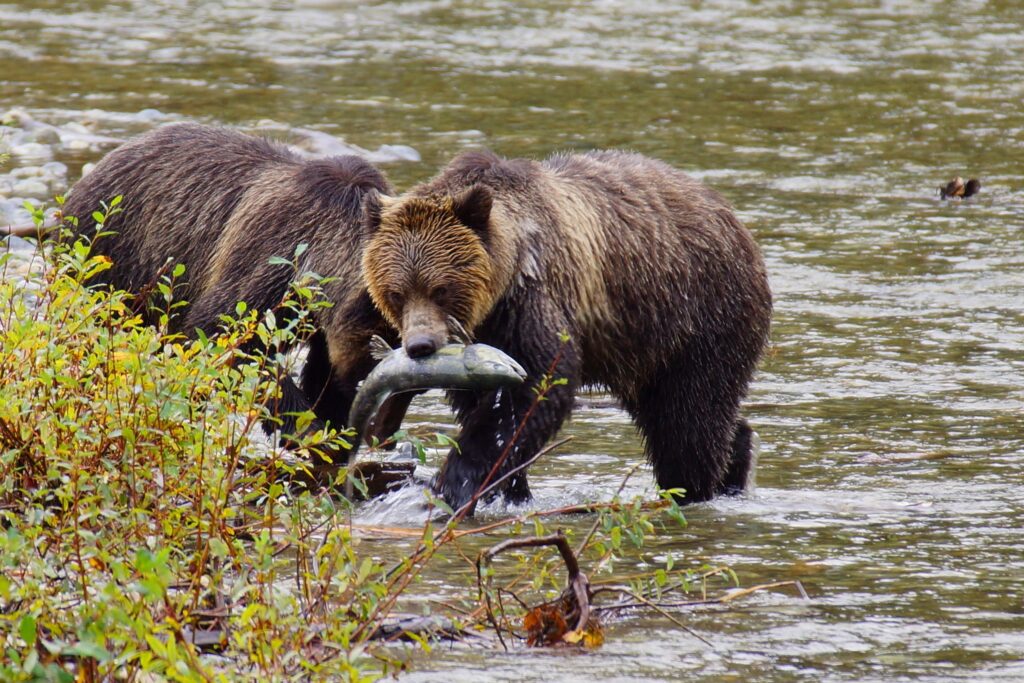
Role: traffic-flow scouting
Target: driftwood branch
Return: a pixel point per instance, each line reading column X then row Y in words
column 639, row 601
column 577, row 594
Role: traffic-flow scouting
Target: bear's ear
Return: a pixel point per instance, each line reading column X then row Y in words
column 373, row 204
column 473, row 207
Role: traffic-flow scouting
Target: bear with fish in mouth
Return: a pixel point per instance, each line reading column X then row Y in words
column 660, row 290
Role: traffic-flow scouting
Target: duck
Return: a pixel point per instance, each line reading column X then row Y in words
column 957, row 189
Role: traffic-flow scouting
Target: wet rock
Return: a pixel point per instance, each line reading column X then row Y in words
column 44, row 136
column 32, row 152
column 84, row 128
column 396, row 153
column 82, row 136
column 55, row 169
column 151, row 115
column 31, row 187
column 21, row 262
column 27, row 172
column 16, row 244
column 13, row 213
column 16, row 117
column 316, row 143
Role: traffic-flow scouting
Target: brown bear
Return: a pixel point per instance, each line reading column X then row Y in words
column 662, row 292
column 223, row 203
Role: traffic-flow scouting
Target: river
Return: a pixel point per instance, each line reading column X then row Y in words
column 890, row 404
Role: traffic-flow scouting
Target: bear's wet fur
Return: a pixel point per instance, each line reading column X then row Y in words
column 223, row 203
column 662, row 292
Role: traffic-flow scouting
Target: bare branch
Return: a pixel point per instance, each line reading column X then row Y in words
column 31, row 229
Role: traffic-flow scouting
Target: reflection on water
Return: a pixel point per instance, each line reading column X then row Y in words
column 890, row 405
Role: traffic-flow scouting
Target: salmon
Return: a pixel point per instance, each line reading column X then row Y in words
column 471, row 367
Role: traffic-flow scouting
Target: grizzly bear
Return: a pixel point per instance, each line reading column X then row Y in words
column 223, row 203
column 660, row 289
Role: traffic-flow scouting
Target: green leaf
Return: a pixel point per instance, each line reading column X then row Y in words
column 278, row 261
column 98, row 217
column 179, row 270
column 218, row 547
column 301, row 249
column 31, row 662
column 359, row 484
column 365, row 567
column 88, row 648
column 445, row 507
column 27, row 629
column 303, row 420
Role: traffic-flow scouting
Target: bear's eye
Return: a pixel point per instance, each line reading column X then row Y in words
column 440, row 293
column 394, row 300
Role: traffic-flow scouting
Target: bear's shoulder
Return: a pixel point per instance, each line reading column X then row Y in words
column 339, row 178
column 484, row 167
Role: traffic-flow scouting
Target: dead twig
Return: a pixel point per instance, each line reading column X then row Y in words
column 741, row 592
column 725, row 599
column 522, row 466
column 660, row 610
column 31, row 229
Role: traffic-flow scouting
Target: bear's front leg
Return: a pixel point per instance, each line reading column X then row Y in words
column 507, row 427
column 329, row 388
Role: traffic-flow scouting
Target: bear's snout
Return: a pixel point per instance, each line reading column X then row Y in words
column 420, row 346
column 424, row 328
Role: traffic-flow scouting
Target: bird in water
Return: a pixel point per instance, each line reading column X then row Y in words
column 956, row 189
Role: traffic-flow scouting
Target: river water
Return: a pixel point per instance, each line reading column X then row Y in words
column 890, row 404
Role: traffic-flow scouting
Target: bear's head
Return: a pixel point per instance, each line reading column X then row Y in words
column 426, row 258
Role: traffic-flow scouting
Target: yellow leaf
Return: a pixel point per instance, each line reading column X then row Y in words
column 593, row 638
column 590, row 637
column 573, row 637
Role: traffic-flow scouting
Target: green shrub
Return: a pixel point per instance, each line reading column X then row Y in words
column 138, row 507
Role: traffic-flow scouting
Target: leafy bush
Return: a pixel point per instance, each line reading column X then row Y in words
column 136, row 519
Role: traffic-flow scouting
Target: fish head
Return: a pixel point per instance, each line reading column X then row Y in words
column 491, row 364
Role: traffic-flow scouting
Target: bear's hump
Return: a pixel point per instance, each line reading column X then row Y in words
column 482, row 167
